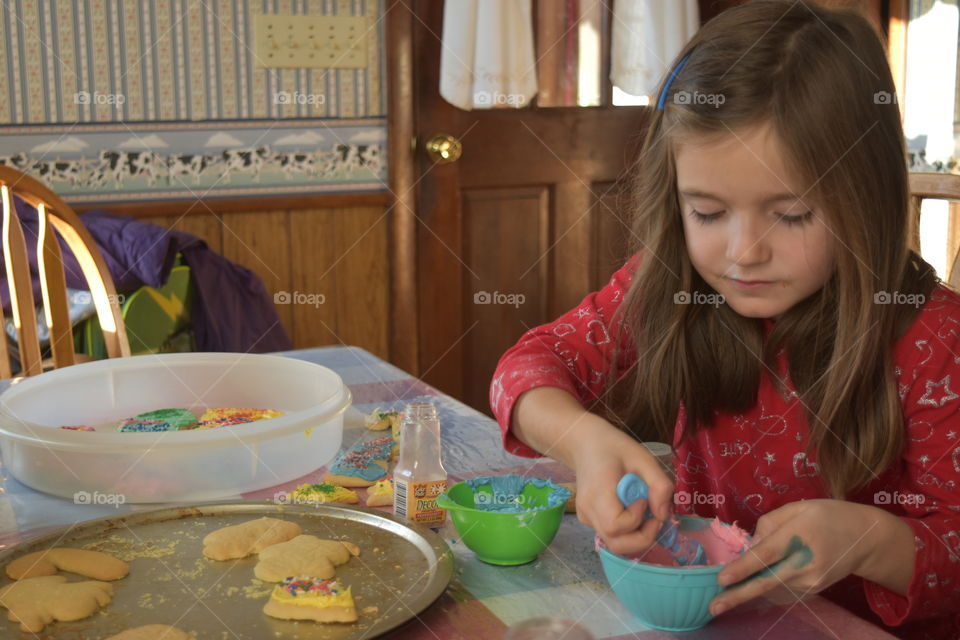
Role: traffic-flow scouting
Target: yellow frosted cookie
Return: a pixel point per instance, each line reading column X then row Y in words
column 308, row 598
column 322, row 492
column 380, row 494
column 226, row 416
column 36, row 602
column 241, row 540
column 92, row 564
column 152, row 632
column 304, row 555
column 378, row 420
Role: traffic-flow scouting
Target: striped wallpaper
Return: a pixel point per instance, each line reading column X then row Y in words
column 101, row 61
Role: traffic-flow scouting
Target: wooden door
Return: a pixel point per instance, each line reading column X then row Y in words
column 518, row 230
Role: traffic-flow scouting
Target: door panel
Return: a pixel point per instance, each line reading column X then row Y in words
column 528, row 210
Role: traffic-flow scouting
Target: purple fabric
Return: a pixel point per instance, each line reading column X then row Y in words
column 232, row 310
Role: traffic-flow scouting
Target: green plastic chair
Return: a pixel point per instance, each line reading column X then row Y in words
column 157, row 320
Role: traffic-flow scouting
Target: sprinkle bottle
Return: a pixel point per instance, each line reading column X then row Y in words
column 419, row 476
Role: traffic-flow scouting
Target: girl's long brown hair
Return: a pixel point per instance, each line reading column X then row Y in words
column 821, row 78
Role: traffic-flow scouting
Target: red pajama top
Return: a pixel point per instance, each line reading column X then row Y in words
column 756, row 460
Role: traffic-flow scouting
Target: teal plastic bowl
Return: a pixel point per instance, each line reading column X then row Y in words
column 665, row 598
column 505, row 538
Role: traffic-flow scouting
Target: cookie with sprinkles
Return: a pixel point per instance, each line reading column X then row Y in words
column 227, row 416
column 160, row 420
column 380, row 494
column 308, row 598
column 361, row 465
column 322, row 492
column 378, row 420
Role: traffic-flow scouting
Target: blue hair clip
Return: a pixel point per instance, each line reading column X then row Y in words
column 666, row 88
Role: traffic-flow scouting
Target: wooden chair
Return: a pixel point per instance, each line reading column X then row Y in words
column 942, row 186
column 52, row 214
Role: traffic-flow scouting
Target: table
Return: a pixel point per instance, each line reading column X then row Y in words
column 482, row 600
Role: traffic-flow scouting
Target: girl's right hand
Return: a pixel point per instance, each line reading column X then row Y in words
column 599, row 463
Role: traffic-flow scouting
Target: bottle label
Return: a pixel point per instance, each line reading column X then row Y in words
column 417, row 501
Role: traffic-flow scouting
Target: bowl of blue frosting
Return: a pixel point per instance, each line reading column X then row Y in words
column 506, row 519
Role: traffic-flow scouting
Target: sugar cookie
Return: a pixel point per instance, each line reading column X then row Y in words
column 380, row 494
column 92, row 564
column 152, row 632
column 307, row 598
column 36, row 602
column 304, row 555
column 322, row 492
column 240, row 540
column 378, row 420
column 160, row 420
column 362, row 464
column 226, row 416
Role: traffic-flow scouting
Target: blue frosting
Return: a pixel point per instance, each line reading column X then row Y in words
column 508, row 493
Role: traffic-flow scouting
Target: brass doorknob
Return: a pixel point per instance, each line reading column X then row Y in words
column 444, row 148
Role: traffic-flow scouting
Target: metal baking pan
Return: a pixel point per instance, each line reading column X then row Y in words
column 401, row 570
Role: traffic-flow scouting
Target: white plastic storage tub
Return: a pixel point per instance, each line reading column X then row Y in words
column 193, row 465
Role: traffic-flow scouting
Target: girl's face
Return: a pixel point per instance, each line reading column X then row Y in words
column 750, row 233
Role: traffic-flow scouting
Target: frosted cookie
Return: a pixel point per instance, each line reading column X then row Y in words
column 304, row 555
column 160, row 420
column 92, row 564
column 306, row 598
column 77, row 427
column 241, row 540
column 361, row 465
column 36, row 602
column 152, row 632
column 378, row 420
column 226, row 416
column 322, row 492
column 380, row 494
column 571, row 506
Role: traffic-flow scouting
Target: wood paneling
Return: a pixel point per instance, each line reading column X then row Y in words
column 240, row 205
column 261, row 242
column 363, row 309
column 333, row 263
column 314, row 247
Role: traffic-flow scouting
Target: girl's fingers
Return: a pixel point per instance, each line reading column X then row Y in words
column 760, row 583
column 635, row 542
column 769, row 555
column 661, row 497
column 773, row 562
column 612, row 519
column 755, row 559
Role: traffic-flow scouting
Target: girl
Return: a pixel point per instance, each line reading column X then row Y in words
column 774, row 325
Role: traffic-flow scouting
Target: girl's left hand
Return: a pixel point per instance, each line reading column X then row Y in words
column 805, row 546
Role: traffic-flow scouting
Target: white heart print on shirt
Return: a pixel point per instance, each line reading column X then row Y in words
column 803, row 468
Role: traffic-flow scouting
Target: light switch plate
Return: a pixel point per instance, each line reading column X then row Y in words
column 319, row 42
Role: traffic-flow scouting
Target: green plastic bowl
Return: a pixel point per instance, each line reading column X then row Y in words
column 665, row 598
column 504, row 538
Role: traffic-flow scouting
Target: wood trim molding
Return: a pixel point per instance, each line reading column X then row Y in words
column 897, row 46
column 176, row 208
column 404, row 304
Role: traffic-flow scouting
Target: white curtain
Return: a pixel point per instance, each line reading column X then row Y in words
column 647, row 35
column 487, row 56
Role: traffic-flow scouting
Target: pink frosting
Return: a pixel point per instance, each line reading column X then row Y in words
column 722, row 543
